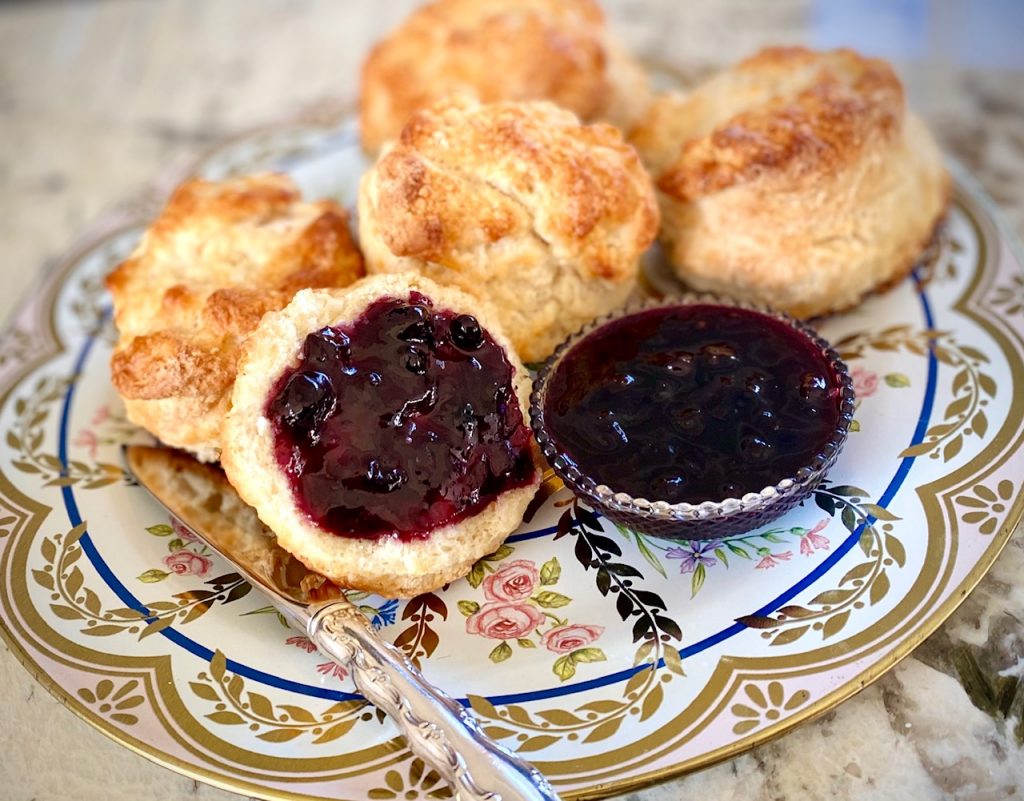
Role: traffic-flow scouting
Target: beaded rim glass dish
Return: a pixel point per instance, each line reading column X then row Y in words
column 709, row 519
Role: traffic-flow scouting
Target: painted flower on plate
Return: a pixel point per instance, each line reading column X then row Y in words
column 769, row 560
column 811, row 541
column 385, row 615
column 865, row 382
column 188, row 563
column 332, row 669
column 513, row 582
column 695, row 553
column 183, row 532
column 564, row 639
column 301, row 642
column 87, row 439
column 504, row 620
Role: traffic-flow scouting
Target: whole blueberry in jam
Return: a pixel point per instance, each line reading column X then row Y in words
column 466, row 332
column 401, row 421
column 692, row 403
column 306, row 400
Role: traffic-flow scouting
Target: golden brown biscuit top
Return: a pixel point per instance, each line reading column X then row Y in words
column 785, row 111
column 489, row 50
column 218, row 257
column 463, row 176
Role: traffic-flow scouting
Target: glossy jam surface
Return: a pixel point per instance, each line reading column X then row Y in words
column 692, row 403
column 400, row 422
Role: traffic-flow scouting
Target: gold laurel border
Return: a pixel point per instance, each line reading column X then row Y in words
column 762, row 735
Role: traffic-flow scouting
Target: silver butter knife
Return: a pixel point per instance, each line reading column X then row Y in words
column 438, row 729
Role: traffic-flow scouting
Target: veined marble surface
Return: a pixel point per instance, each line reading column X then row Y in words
column 98, row 99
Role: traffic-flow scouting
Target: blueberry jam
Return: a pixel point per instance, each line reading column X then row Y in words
column 692, row 403
column 400, row 422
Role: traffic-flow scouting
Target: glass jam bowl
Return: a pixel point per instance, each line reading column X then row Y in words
column 692, row 417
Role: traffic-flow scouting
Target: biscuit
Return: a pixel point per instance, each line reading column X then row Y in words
column 390, row 564
column 517, row 203
column 219, row 256
column 797, row 179
column 492, row 50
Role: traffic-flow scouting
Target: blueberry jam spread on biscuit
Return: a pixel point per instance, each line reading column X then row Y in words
column 400, row 422
column 692, row 403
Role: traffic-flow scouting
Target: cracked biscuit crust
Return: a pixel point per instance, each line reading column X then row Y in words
column 797, row 179
column 517, row 203
column 492, row 50
column 390, row 567
column 219, row 256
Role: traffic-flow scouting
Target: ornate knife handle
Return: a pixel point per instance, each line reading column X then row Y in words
column 438, row 730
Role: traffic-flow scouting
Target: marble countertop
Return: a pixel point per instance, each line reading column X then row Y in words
column 99, row 98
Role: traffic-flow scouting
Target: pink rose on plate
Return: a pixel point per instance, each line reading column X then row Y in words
column 564, row 639
column 187, row 563
column 514, row 582
column 504, row 620
column 183, row 532
column 865, row 382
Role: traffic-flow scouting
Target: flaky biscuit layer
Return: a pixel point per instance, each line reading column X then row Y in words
column 517, row 203
column 493, row 50
column 219, row 256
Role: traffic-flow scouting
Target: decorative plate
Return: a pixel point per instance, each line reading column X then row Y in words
column 632, row 659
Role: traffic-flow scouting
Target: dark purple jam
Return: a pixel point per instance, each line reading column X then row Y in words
column 402, row 421
column 692, row 403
